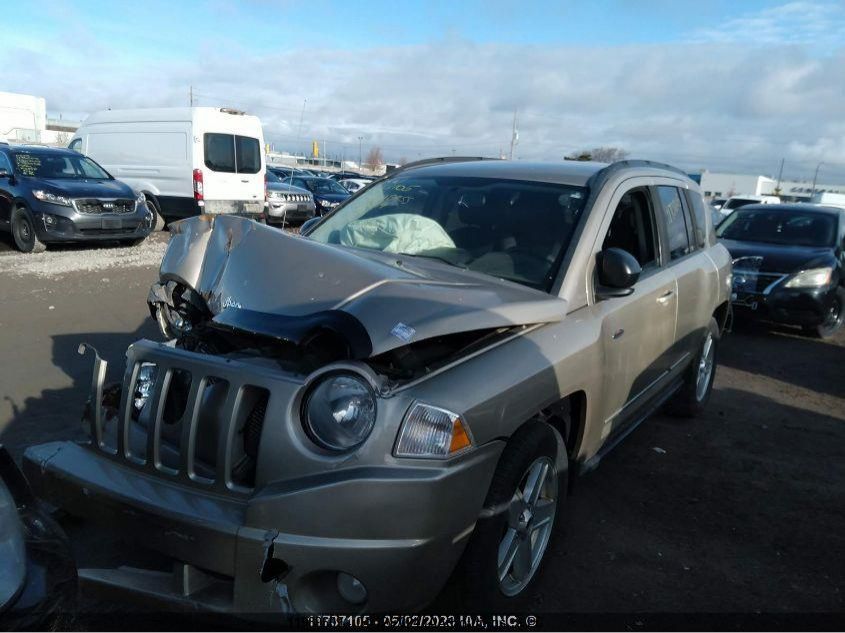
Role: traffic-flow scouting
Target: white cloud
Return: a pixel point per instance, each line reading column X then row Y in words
column 706, row 104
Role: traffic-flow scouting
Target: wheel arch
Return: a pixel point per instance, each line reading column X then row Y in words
column 722, row 315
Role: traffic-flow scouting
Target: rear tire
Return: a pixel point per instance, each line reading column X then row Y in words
column 834, row 319
column 507, row 548
column 23, row 232
column 692, row 398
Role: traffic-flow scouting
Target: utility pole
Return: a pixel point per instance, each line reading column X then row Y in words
column 780, row 175
column 514, row 134
column 815, row 175
column 191, row 96
column 360, row 165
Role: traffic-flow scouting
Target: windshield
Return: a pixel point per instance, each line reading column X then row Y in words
column 505, row 228
column 44, row 165
column 271, row 177
column 736, row 203
column 783, row 226
column 321, row 185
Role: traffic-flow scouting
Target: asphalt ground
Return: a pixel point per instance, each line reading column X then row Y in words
column 741, row 511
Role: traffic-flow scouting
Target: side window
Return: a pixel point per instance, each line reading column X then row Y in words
column 632, row 228
column 673, row 211
column 247, row 155
column 220, row 152
column 75, row 144
column 699, row 216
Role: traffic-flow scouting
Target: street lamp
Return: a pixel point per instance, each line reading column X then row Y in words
column 815, row 175
column 360, row 138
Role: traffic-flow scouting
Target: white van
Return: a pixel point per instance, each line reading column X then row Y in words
column 829, row 199
column 186, row 161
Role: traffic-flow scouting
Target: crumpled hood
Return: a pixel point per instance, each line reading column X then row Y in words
column 84, row 188
column 236, row 264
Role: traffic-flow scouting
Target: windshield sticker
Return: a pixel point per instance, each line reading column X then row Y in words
column 27, row 164
column 403, row 332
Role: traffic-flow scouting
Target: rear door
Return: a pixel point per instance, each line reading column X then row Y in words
column 232, row 168
column 693, row 270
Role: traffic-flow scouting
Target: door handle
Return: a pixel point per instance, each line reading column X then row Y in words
column 618, row 333
column 245, row 180
column 662, row 299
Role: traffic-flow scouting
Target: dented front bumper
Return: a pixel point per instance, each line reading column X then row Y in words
column 222, row 560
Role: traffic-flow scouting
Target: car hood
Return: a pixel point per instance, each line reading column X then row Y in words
column 777, row 258
column 84, row 188
column 282, row 186
column 392, row 300
column 332, row 197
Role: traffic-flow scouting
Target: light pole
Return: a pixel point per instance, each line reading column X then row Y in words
column 360, row 166
column 815, row 175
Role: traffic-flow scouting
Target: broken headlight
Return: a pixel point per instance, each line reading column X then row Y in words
column 176, row 308
column 144, row 385
column 339, row 412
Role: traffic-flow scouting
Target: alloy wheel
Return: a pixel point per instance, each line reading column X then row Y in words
column 705, row 368
column 530, row 519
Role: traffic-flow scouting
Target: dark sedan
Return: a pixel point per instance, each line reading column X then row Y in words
column 788, row 264
column 327, row 192
column 49, row 195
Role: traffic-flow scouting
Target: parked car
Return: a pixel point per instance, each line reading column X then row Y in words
column 287, row 204
column 458, row 341
column 50, row 195
column 788, row 264
column 286, row 172
column 185, row 161
column 344, row 175
column 717, row 203
column 735, row 202
column 353, row 185
column 327, row 193
column 37, row 572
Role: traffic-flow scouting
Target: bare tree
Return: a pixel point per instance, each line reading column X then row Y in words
column 375, row 158
column 62, row 139
column 599, row 154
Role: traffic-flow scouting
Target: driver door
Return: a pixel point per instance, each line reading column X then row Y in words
column 637, row 331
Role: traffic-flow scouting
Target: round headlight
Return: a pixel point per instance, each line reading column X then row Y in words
column 340, row 411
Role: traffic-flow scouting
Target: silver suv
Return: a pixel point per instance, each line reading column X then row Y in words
column 458, row 341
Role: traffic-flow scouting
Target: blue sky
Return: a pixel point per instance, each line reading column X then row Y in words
column 724, row 85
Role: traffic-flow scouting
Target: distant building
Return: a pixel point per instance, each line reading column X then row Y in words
column 23, row 119
column 724, row 185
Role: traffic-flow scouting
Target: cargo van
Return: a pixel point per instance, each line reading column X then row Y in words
column 829, row 199
column 185, row 161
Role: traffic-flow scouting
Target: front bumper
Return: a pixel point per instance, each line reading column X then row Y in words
column 792, row 306
column 290, row 211
column 64, row 224
column 226, row 558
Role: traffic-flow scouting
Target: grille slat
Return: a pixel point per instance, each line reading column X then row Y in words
column 190, row 420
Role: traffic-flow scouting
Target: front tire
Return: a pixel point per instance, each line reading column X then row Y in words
column 23, row 232
column 152, row 205
column 517, row 523
column 834, row 318
column 692, row 397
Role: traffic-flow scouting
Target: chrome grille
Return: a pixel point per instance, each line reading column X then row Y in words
column 100, row 206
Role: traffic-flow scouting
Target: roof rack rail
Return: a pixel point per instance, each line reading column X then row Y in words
column 439, row 160
column 603, row 174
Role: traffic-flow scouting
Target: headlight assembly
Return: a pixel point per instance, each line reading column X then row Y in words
column 812, row 278
column 12, row 549
column 339, row 412
column 52, row 198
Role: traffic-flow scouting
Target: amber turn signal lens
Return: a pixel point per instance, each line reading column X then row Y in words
column 460, row 437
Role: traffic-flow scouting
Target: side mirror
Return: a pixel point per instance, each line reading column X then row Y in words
column 618, row 271
column 308, row 225
column 4, row 173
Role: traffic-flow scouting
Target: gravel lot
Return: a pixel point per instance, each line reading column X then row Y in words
column 740, row 511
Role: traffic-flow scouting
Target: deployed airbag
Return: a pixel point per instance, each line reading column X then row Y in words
column 396, row 233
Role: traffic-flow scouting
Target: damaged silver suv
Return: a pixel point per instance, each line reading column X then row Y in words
column 456, row 343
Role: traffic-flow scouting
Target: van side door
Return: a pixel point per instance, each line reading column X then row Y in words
column 638, row 330
column 6, row 195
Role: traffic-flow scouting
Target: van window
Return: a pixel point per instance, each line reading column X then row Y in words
column 673, row 211
column 230, row 153
column 247, row 155
column 74, row 144
column 220, row 152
